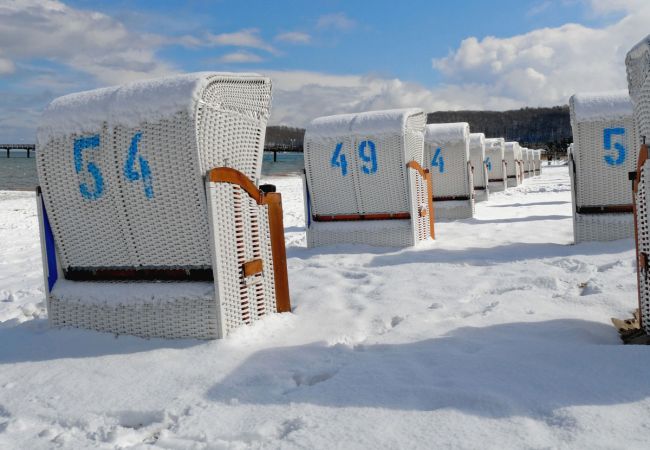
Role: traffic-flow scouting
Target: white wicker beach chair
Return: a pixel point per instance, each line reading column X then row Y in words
column 638, row 75
column 605, row 146
column 479, row 167
column 496, row 164
column 512, row 157
column 364, row 182
column 152, row 223
column 529, row 165
column 537, row 162
column 446, row 155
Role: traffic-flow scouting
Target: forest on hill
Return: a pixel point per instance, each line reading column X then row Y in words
column 547, row 128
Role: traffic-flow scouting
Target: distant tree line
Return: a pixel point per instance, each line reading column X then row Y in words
column 284, row 137
column 547, row 128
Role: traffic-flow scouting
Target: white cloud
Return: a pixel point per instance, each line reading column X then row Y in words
column 539, row 8
column 240, row 58
column 88, row 41
column 7, row 66
column 249, row 37
column 294, row 37
column 338, row 21
column 300, row 96
column 546, row 66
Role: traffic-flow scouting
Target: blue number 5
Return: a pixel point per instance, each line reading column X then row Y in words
column 488, row 163
column 338, row 159
column 369, row 159
column 80, row 145
column 145, row 171
column 607, row 138
column 438, row 161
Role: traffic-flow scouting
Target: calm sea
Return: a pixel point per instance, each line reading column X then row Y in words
column 19, row 172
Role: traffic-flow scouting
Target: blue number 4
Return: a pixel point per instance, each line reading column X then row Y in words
column 438, row 161
column 339, row 160
column 145, row 172
column 488, row 163
column 81, row 144
column 607, row 138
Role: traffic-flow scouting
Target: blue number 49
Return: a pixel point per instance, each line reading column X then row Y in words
column 438, row 161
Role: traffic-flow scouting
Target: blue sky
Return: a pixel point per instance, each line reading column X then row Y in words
column 324, row 56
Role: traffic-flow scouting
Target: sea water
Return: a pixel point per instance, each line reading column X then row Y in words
column 19, row 172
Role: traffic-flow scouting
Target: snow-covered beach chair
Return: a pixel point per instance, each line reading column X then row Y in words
column 512, row 155
column 496, row 164
column 364, row 180
column 638, row 74
column 152, row 223
column 529, row 169
column 479, row 166
column 446, row 155
column 537, row 162
column 605, row 146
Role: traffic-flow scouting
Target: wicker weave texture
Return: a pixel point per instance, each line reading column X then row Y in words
column 240, row 236
column 602, row 227
column 643, row 243
column 152, row 192
column 380, row 233
column 637, row 63
column 513, row 168
column 604, row 151
column 454, row 210
column 184, row 318
column 495, row 162
column 449, row 166
column 477, row 159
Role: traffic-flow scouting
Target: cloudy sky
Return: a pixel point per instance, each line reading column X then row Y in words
column 324, row 56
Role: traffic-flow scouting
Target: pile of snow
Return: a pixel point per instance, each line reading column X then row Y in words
column 496, row 335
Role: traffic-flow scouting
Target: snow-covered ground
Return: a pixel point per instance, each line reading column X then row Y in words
column 497, row 335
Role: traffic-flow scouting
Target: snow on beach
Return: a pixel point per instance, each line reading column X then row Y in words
column 497, row 335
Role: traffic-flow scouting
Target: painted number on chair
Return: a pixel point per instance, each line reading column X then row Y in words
column 131, row 173
column 372, row 158
column 614, row 156
column 438, row 161
column 95, row 191
column 367, row 154
column 488, row 164
column 339, row 160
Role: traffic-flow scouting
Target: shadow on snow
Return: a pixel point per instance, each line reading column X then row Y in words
column 515, row 369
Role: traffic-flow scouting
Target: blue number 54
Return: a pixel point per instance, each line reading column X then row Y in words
column 620, row 148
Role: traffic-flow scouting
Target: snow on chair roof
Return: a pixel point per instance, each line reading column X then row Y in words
column 476, row 139
column 637, row 63
column 129, row 105
column 592, row 107
column 494, row 142
column 391, row 121
column 446, row 133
